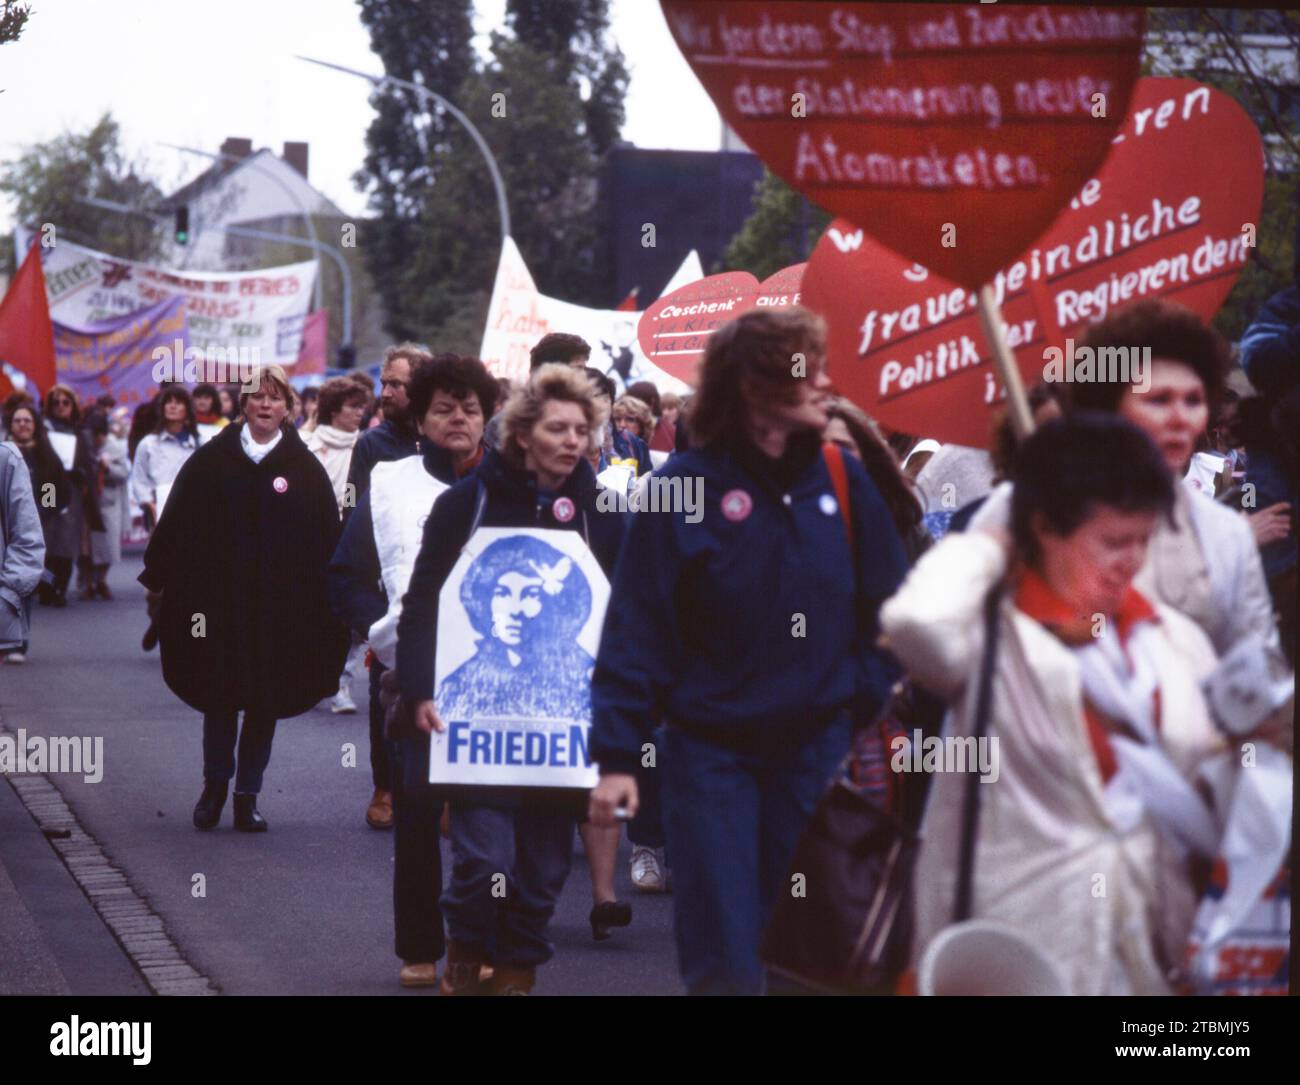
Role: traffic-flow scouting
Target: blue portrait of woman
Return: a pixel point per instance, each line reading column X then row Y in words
column 527, row 602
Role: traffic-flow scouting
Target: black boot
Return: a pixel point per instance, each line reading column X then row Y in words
column 207, row 811
column 247, row 819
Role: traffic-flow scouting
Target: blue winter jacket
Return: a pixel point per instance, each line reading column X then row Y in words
column 355, row 578
column 513, row 500
column 1270, row 349
column 379, row 444
column 753, row 618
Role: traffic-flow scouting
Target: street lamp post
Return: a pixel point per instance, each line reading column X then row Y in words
column 503, row 208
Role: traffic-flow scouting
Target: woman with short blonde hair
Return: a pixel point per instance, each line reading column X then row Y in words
column 526, row 405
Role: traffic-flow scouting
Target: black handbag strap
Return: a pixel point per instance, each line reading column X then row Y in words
column 971, row 807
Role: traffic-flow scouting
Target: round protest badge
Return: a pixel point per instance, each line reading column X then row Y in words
column 828, row 505
column 563, row 509
column 280, row 484
column 737, row 505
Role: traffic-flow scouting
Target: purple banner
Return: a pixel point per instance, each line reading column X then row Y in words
column 117, row 356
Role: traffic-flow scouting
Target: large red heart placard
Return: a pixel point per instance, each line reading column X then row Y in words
column 674, row 331
column 905, row 343
column 953, row 133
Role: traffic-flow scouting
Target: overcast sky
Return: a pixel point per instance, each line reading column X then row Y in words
column 193, row 72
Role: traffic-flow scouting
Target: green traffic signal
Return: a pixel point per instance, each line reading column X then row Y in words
column 182, row 225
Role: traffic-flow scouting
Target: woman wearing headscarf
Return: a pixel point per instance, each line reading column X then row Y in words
column 539, row 477
column 254, row 509
column 1086, row 839
column 749, row 629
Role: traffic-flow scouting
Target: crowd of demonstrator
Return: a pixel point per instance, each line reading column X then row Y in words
column 750, row 647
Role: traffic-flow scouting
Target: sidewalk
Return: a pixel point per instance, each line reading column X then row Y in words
column 52, row 942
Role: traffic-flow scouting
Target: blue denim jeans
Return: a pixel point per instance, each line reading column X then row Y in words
column 219, row 733
column 417, row 855
column 504, row 919
column 733, row 818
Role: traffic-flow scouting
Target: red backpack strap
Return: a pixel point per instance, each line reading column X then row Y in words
column 834, row 457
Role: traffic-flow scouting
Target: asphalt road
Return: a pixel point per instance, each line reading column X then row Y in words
column 303, row 909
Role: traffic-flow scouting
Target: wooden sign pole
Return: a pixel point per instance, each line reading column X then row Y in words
column 1005, row 363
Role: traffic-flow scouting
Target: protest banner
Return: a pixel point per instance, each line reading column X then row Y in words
column 519, row 622
column 239, row 317
column 953, row 133
column 674, row 331
column 519, row 315
column 904, row 342
column 118, row 356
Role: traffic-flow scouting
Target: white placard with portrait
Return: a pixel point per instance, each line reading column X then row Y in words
column 519, row 623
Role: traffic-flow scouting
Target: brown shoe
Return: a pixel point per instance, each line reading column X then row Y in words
column 513, row 981
column 379, row 814
column 461, row 976
column 424, row 974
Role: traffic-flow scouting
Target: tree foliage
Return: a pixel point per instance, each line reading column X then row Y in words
column 548, row 101
column 49, row 181
column 13, row 17
column 1250, row 55
column 780, row 231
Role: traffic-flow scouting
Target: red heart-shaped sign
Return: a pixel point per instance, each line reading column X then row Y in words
column 905, row 344
column 675, row 330
column 953, row 133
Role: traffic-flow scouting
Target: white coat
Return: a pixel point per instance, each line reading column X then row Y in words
column 1049, row 860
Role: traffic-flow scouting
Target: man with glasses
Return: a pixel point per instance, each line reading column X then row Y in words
column 394, row 438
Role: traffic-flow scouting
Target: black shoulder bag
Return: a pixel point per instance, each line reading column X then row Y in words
column 852, row 931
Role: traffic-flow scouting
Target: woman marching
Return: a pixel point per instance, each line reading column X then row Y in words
column 255, row 509
column 750, row 631
column 1097, row 709
column 540, row 477
column 50, row 484
column 159, row 458
column 340, row 407
column 63, row 536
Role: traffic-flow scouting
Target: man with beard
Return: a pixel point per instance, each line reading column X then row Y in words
column 394, row 438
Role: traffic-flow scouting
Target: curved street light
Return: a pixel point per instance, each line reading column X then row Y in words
column 377, row 81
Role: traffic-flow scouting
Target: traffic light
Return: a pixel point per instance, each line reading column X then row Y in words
column 182, row 225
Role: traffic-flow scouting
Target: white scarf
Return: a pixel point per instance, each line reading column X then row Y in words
column 1146, row 780
column 256, row 452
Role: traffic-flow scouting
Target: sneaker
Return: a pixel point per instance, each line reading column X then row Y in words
column 342, row 703
column 15, row 658
column 649, row 873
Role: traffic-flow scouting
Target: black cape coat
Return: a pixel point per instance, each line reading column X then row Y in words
column 246, row 546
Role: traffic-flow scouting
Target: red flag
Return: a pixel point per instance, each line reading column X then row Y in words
column 26, row 334
column 312, row 353
column 628, row 304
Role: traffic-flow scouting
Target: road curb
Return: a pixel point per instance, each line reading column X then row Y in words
column 137, row 928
